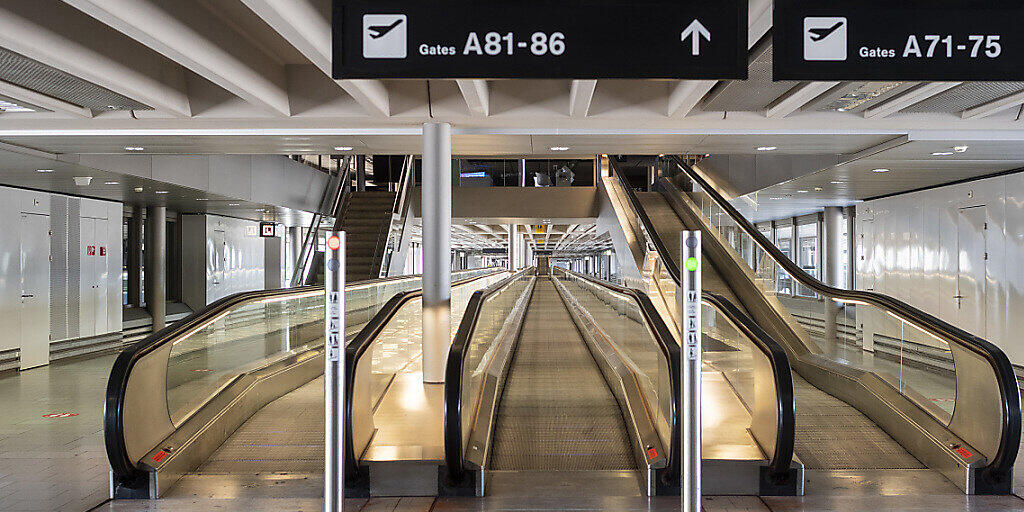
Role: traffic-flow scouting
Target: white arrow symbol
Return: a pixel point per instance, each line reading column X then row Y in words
column 696, row 29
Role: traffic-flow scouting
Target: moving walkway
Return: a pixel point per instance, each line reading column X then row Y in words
column 565, row 380
column 178, row 396
column 853, row 412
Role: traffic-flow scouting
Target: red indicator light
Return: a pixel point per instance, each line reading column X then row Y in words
column 963, row 452
column 159, row 456
column 652, row 453
column 334, row 242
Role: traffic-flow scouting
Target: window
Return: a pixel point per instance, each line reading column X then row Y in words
column 807, row 236
column 784, row 241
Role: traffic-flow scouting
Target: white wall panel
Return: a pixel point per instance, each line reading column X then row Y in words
column 910, row 251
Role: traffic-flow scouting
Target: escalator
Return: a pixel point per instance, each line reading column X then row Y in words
column 571, row 384
column 853, row 413
column 236, row 389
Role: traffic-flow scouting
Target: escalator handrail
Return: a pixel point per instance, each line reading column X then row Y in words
column 123, row 468
column 785, row 427
column 776, row 354
column 648, row 225
column 670, row 350
column 1001, row 463
column 360, row 344
column 453, row 449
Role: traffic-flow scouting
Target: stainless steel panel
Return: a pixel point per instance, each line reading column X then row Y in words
column 753, row 94
column 856, row 96
column 59, row 268
column 965, row 96
column 74, row 267
column 30, row 74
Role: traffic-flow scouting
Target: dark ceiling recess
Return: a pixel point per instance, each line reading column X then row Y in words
column 22, row 71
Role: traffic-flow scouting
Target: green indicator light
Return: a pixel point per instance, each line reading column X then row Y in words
column 691, row 263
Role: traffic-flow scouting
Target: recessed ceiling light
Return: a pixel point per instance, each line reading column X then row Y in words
column 138, row 189
column 111, row 182
column 818, row 189
column 942, row 153
column 837, row 182
column 232, row 204
column 134, row 148
column 559, row 148
column 880, row 170
column 960, row 149
column 201, row 199
column 44, row 170
column 767, row 148
column 343, row 148
column 162, row 192
column 801, row 191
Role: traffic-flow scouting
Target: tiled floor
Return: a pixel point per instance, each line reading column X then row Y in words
column 54, row 464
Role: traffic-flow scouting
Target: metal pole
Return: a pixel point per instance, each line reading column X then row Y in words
column 156, row 265
column 689, row 304
column 135, row 257
column 437, row 248
column 361, row 173
column 334, row 371
column 831, row 220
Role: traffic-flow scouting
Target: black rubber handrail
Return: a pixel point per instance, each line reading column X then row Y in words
column 125, row 472
column 776, row 354
column 354, row 351
column 671, row 352
column 453, row 449
column 124, row 469
column 785, row 428
column 1000, row 467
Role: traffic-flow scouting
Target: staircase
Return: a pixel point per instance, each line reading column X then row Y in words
column 365, row 219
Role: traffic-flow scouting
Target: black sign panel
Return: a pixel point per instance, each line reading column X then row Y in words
column 268, row 229
column 948, row 40
column 540, row 39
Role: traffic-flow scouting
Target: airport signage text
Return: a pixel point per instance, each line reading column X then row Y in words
column 947, row 40
column 535, row 39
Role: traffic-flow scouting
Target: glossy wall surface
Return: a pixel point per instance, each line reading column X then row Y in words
column 953, row 251
column 228, row 251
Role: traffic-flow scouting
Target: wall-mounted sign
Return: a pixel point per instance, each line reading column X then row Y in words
column 90, row 250
column 950, row 40
column 534, row 39
column 268, row 229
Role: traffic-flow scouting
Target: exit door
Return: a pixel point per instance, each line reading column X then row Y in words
column 972, row 269
column 35, row 290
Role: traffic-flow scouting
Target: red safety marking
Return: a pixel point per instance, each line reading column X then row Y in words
column 159, row 456
column 964, row 453
column 90, row 250
column 60, row 415
column 334, row 242
column 103, row 251
column 652, row 453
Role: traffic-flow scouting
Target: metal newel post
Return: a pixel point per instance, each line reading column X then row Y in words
column 689, row 302
column 334, row 371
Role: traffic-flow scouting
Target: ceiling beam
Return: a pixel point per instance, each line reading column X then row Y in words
column 685, row 94
column 915, row 95
column 581, row 94
column 41, row 100
column 477, row 96
column 55, row 35
column 797, row 97
column 186, row 33
column 994, row 106
column 308, row 29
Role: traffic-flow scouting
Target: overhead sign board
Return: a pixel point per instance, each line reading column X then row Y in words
column 947, row 40
column 535, row 39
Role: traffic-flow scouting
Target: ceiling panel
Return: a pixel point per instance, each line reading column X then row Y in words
column 753, row 94
column 966, row 96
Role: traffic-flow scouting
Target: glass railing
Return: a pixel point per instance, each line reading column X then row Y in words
column 963, row 381
column 158, row 384
column 486, row 337
column 618, row 315
column 390, row 344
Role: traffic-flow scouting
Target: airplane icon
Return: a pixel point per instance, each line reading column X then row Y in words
column 379, row 31
column 817, row 34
